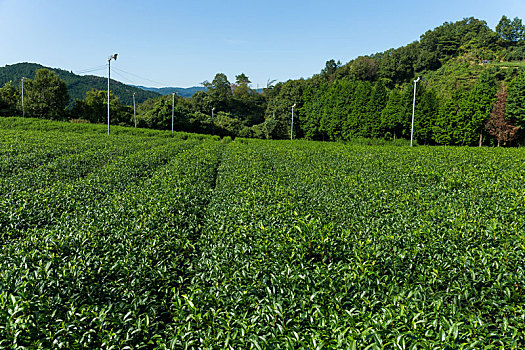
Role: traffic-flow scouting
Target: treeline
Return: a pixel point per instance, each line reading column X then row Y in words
column 471, row 93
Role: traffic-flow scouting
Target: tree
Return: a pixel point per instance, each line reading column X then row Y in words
column 376, row 105
column 510, row 31
column 220, row 87
column 9, row 100
column 518, row 30
column 364, row 68
column 427, row 106
column 94, row 108
column 279, row 110
column 46, row 95
column 497, row 125
column 312, row 111
column 330, row 69
column 395, row 115
column 481, row 98
column 242, row 87
column 356, row 122
column 515, row 107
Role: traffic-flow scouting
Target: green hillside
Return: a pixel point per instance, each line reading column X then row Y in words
column 77, row 85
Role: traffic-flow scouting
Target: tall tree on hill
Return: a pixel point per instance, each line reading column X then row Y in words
column 331, row 67
column 219, row 93
column 364, row 68
column 47, row 95
column 499, row 126
column 242, row 86
column 397, row 65
column 510, row 31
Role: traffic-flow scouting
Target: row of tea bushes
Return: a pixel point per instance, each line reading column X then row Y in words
column 313, row 245
column 103, row 276
column 158, row 242
column 44, row 125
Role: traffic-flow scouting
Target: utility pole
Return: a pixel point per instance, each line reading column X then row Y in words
column 23, row 106
column 291, row 129
column 413, row 110
column 172, row 111
column 212, row 121
column 134, row 112
column 114, row 57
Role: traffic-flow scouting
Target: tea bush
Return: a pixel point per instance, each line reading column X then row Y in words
column 135, row 241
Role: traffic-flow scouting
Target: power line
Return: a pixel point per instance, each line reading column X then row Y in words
column 123, row 77
column 94, row 69
column 140, row 77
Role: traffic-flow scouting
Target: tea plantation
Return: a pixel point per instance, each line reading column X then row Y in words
column 151, row 240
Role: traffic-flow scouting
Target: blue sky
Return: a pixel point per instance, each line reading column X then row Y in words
column 183, row 43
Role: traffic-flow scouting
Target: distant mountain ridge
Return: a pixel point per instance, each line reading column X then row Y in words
column 77, row 85
column 182, row 92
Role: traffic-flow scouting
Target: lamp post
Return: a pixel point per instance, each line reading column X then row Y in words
column 291, row 129
column 113, row 57
column 213, row 121
column 23, row 106
column 413, row 110
column 172, row 111
column 134, row 112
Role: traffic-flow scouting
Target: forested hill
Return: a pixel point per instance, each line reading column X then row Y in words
column 472, row 90
column 182, row 92
column 77, row 85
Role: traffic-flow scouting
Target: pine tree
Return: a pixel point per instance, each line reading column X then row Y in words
column 427, row 106
column 376, row 105
column 393, row 116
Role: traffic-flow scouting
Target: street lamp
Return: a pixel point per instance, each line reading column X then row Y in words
column 172, row 111
column 413, row 110
column 23, row 106
column 291, row 129
column 134, row 112
column 113, row 57
column 212, row 121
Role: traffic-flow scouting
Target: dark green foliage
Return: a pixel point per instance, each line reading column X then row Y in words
column 46, row 96
column 515, row 108
column 376, row 104
column 93, row 108
column 10, row 100
column 395, row 115
column 425, row 115
column 281, row 98
column 510, row 31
